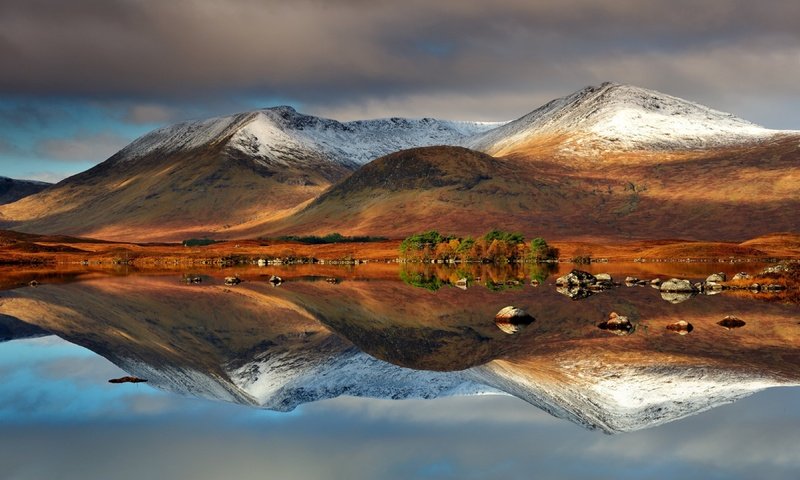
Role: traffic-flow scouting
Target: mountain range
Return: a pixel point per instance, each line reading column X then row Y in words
column 612, row 161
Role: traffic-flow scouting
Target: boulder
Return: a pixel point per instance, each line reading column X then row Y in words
column 716, row 277
column 730, row 322
column 631, row 280
column 655, row 281
column 275, row 280
column 616, row 324
column 681, row 327
column 232, row 281
column 603, row 277
column 677, row 285
column 33, row 283
column 741, row 276
column 462, row 283
column 576, row 277
column 512, row 320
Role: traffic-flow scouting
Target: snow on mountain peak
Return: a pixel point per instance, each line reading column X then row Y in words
column 614, row 116
column 281, row 134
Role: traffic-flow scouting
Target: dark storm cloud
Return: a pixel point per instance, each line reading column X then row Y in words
column 364, row 57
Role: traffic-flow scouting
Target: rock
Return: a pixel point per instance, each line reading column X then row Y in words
column 714, row 287
column 275, row 280
column 534, row 283
column 576, row 277
column 261, row 262
column 677, row 285
column 512, row 320
column 616, row 324
column 777, row 268
column 232, row 281
column 462, row 283
column 730, row 322
column 33, row 283
column 332, row 280
column 774, row 287
column 755, row 287
column 603, row 277
column 716, row 277
column 192, row 279
column 681, row 327
column 631, row 280
column 655, row 281
column 677, row 297
column 127, row 380
column 741, row 276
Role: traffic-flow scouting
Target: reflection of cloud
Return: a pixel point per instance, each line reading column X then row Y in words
column 334, row 440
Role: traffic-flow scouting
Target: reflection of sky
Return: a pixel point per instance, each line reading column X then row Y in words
column 61, row 419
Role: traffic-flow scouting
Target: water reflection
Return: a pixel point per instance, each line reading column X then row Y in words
column 309, row 339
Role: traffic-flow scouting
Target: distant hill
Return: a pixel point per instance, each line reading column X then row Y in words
column 12, row 190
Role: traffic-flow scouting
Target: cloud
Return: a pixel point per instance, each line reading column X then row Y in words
column 83, row 147
column 8, row 148
column 357, row 51
column 150, row 113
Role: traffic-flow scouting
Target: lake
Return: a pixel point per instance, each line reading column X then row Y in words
column 387, row 371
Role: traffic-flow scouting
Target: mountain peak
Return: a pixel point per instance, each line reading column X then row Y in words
column 620, row 117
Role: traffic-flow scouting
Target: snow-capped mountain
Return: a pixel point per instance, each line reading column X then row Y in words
column 615, row 117
column 281, row 134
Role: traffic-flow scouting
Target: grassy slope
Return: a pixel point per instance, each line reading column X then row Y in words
column 154, row 198
column 723, row 195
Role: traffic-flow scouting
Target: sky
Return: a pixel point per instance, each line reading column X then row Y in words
column 61, row 418
column 81, row 79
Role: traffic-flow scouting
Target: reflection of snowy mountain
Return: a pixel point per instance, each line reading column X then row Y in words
column 625, row 398
column 282, row 382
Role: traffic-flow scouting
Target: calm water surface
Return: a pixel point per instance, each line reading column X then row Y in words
column 393, row 374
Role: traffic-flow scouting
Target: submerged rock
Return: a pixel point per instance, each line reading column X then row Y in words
column 730, row 322
column 512, row 320
column 681, row 327
column 616, row 324
column 275, row 280
column 232, row 280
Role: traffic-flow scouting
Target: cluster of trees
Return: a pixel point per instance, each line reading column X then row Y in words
column 198, row 242
column 329, row 238
column 496, row 246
